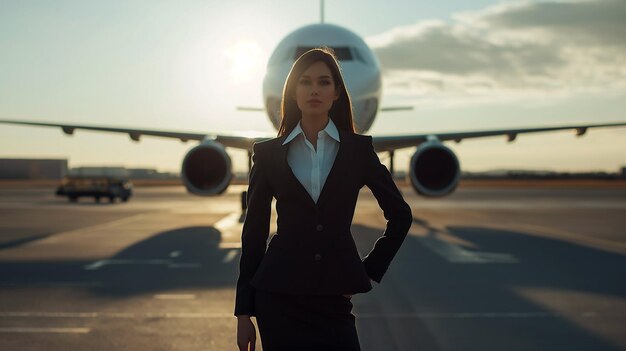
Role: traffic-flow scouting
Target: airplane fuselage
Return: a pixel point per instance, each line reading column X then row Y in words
column 360, row 69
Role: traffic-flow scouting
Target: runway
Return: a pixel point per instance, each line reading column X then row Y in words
column 503, row 268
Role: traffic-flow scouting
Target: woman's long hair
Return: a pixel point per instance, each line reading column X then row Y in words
column 341, row 110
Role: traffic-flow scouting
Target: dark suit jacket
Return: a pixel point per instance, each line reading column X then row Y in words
column 313, row 251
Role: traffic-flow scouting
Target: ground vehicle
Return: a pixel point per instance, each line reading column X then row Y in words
column 97, row 186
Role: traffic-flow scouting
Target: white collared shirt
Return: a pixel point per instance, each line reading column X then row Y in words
column 309, row 166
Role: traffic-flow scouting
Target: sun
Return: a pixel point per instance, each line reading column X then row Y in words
column 245, row 61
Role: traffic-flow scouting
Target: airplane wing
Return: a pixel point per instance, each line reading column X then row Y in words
column 388, row 143
column 245, row 139
column 241, row 140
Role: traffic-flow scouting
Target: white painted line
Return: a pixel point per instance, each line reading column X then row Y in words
column 95, row 265
column 517, row 205
column 175, row 254
column 52, row 284
column 229, row 226
column 101, row 263
column 573, row 237
column 119, row 315
column 175, row 296
column 230, row 256
column 469, row 315
column 185, row 265
column 189, row 315
column 46, row 330
column 71, row 234
column 50, row 314
column 456, row 254
column 68, row 314
column 227, row 222
column 230, row 245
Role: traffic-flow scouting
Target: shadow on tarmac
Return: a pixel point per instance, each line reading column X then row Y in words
column 191, row 258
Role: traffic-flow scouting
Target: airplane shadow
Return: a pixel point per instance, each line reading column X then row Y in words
column 187, row 257
column 423, row 282
column 432, row 285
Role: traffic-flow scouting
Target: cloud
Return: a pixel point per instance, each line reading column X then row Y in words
column 512, row 50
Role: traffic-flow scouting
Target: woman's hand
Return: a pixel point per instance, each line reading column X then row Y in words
column 246, row 334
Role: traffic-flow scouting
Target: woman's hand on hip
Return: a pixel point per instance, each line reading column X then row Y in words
column 246, row 334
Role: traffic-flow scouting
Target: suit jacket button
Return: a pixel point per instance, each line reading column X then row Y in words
column 318, row 257
column 319, row 228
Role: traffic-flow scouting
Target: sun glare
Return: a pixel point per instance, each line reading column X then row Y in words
column 245, row 61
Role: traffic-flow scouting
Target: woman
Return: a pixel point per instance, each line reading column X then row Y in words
column 299, row 290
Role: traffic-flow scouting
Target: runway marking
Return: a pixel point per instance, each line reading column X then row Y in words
column 475, row 315
column 185, row 265
column 456, row 254
column 67, row 314
column 191, row 315
column 59, row 237
column 175, row 296
column 46, row 330
column 52, row 284
column 230, row 245
column 569, row 236
column 101, row 263
column 229, row 226
column 227, row 222
column 516, row 205
column 230, row 256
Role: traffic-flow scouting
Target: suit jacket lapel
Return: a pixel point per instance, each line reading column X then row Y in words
column 339, row 167
column 340, row 163
column 285, row 172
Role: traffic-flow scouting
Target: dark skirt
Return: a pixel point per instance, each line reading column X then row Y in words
column 305, row 322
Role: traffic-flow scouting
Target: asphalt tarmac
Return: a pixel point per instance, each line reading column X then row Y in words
column 483, row 269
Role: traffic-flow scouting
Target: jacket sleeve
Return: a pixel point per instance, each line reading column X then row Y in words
column 254, row 233
column 396, row 211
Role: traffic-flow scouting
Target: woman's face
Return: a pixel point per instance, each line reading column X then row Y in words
column 315, row 90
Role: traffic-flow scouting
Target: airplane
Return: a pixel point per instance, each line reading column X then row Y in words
column 434, row 169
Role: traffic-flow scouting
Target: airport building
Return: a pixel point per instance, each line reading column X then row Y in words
column 122, row 172
column 150, row 173
column 117, row 172
column 16, row 168
column 53, row 169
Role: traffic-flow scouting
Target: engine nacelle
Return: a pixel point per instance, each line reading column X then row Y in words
column 434, row 170
column 207, row 169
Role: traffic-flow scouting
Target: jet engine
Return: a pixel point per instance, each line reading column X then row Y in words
column 206, row 169
column 434, row 170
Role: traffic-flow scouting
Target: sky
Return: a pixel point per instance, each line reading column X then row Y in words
column 187, row 65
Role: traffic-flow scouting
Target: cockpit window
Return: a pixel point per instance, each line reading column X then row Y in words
column 358, row 56
column 343, row 52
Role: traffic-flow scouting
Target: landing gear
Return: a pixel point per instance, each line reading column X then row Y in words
column 244, row 194
column 244, row 207
column 391, row 162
